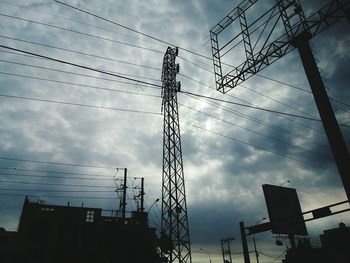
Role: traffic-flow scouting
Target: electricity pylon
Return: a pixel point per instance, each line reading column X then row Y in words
column 298, row 31
column 174, row 224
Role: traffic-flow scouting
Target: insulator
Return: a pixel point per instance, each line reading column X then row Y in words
column 176, row 51
column 178, row 86
column 177, row 68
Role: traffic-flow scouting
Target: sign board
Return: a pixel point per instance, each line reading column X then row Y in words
column 284, row 210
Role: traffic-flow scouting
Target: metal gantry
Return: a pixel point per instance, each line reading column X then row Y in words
column 298, row 31
column 174, row 223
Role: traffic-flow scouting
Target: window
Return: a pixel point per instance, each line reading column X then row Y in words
column 90, row 216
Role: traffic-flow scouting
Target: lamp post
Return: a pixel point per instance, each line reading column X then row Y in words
column 285, row 182
column 206, row 252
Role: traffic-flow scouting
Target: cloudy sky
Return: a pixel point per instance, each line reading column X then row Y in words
column 229, row 151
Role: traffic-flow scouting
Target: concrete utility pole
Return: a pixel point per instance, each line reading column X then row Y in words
column 244, row 243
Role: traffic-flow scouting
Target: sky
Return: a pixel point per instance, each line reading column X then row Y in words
column 229, row 151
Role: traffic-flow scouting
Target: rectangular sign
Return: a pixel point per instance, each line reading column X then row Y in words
column 284, row 210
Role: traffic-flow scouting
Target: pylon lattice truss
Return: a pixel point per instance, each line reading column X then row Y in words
column 174, row 225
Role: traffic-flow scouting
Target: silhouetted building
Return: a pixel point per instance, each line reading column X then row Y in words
column 335, row 248
column 56, row 234
column 7, row 245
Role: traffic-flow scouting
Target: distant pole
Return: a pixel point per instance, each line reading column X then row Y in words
column 256, row 252
column 330, row 124
column 142, row 194
column 244, row 243
column 124, row 195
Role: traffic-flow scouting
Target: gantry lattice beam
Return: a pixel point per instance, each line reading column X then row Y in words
column 269, row 53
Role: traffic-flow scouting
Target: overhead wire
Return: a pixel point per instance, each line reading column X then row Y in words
column 59, row 196
column 81, row 33
column 50, row 171
column 79, row 66
column 59, row 163
column 79, row 104
column 69, row 19
column 165, row 42
column 79, row 52
column 256, row 146
column 57, row 177
column 259, row 121
column 75, row 73
column 249, row 106
column 251, row 130
column 79, row 85
column 52, row 184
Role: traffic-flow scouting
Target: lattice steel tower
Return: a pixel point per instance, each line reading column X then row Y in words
column 174, row 225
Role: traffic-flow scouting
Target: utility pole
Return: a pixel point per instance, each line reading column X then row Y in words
column 123, row 205
column 142, row 194
column 298, row 31
column 244, row 243
column 174, row 222
column 226, row 249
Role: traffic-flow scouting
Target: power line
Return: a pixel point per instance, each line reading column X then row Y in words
column 58, row 191
column 253, row 119
column 252, row 131
column 80, row 66
column 69, row 72
column 292, row 120
column 69, row 19
column 80, row 33
column 131, row 29
column 56, row 177
column 79, row 104
column 59, row 163
column 54, row 172
column 249, row 106
column 79, row 52
column 168, row 43
column 254, row 146
column 48, row 184
column 58, row 196
column 79, row 85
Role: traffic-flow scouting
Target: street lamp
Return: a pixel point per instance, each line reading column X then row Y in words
column 207, row 253
column 285, row 182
